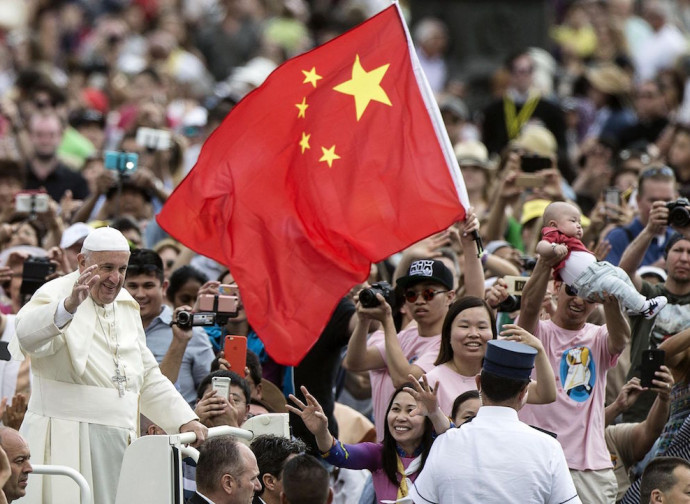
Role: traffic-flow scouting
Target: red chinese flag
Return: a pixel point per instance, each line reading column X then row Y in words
column 338, row 160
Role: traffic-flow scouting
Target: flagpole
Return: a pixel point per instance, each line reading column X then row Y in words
column 434, row 114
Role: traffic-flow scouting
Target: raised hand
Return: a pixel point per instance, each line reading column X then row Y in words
column 512, row 332
column 13, row 415
column 311, row 413
column 80, row 291
column 425, row 396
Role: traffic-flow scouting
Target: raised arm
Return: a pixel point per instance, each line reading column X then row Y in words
column 647, row 432
column 677, row 349
column 474, row 272
column 533, row 294
column 359, row 356
column 617, row 325
column 634, row 253
column 427, row 403
column 543, row 389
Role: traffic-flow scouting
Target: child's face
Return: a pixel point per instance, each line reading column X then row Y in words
column 569, row 223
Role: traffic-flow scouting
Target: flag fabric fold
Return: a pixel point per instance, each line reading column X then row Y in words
column 338, row 160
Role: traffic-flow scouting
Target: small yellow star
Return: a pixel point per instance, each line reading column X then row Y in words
column 304, row 143
column 329, row 155
column 365, row 86
column 302, row 108
column 311, row 76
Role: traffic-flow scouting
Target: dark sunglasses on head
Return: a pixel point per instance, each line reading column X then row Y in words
column 657, row 170
column 427, row 295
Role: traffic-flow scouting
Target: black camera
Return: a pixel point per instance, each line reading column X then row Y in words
column 510, row 304
column 368, row 299
column 530, row 163
column 34, row 274
column 187, row 320
column 678, row 214
column 528, row 262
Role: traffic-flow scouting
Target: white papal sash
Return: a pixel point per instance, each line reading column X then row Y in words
column 84, row 403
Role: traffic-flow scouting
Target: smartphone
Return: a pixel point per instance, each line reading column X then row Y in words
column 153, row 139
column 652, row 360
column 222, row 385
column 218, row 304
column 613, row 196
column 31, row 202
column 235, row 352
column 530, row 163
column 515, row 284
column 530, row 180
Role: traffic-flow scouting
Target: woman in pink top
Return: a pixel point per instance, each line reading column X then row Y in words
column 468, row 326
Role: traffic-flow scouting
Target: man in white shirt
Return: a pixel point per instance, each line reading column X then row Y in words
column 503, row 459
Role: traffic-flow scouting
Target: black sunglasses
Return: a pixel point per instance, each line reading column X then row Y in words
column 427, row 295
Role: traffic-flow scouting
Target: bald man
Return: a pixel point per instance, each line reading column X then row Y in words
column 92, row 374
column 19, row 457
column 579, row 269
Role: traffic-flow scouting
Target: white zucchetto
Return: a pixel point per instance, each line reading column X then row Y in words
column 106, row 239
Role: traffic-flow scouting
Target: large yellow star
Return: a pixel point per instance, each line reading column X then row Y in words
column 329, row 155
column 302, row 108
column 304, row 142
column 311, row 76
column 365, row 86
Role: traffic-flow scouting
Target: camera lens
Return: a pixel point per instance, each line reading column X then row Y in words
column 367, row 298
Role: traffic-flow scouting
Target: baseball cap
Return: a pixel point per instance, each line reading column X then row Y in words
column 76, row 232
column 427, row 270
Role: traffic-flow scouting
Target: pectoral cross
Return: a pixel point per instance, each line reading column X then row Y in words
column 119, row 380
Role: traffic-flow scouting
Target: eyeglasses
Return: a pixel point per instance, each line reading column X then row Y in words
column 427, row 295
column 657, row 170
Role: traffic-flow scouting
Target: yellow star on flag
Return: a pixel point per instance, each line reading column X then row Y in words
column 365, row 86
column 311, row 76
column 329, row 155
column 302, row 108
column 304, row 142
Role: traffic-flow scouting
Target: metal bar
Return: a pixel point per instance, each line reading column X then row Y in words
column 56, row 470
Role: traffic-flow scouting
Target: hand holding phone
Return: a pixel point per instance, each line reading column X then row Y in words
column 652, row 360
column 235, row 352
column 222, row 385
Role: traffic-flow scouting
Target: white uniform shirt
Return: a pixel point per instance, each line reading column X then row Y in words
column 495, row 458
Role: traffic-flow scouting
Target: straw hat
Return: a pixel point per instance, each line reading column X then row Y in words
column 610, row 79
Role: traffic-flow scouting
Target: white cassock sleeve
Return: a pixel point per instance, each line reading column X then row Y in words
column 160, row 400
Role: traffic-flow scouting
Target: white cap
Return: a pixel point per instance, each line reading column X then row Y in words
column 74, row 233
column 652, row 270
column 106, row 238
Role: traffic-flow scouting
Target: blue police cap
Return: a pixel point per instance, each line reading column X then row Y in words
column 509, row 359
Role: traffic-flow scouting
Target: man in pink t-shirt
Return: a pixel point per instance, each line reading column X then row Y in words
column 392, row 356
column 580, row 354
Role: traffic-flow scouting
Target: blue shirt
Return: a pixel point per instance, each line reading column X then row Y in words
column 620, row 238
column 196, row 362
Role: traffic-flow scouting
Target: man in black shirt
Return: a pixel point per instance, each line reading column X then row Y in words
column 44, row 170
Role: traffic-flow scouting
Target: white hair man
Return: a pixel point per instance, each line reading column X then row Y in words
column 92, row 373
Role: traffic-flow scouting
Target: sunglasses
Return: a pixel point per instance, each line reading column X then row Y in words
column 657, row 170
column 427, row 295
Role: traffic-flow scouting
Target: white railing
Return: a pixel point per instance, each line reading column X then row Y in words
column 56, row 470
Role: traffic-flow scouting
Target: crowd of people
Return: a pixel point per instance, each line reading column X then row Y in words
column 551, row 365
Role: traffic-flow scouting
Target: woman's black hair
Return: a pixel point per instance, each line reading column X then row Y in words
column 445, row 352
column 181, row 276
column 465, row 396
column 389, row 455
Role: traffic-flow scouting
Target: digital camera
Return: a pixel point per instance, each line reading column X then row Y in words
column 678, row 214
column 368, row 299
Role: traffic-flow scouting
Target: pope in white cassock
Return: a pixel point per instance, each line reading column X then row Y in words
column 92, row 374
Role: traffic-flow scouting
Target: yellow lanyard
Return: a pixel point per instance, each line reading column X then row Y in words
column 402, row 489
column 515, row 122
